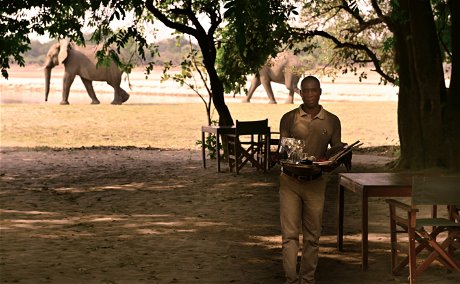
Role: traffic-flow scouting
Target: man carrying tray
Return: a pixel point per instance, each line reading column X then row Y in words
column 302, row 192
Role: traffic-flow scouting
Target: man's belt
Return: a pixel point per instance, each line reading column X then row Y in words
column 301, row 177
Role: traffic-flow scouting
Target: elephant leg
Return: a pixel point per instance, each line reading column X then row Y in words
column 116, row 97
column 255, row 82
column 89, row 89
column 66, row 83
column 291, row 82
column 268, row 90
column 290, row 98
column 120, row 96
column 123, row 95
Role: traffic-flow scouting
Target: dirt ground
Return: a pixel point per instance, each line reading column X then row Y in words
column 131, row 215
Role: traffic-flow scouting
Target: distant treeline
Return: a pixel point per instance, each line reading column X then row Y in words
column 168, row 49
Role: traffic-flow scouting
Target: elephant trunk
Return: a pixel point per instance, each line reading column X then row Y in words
column 47, row 82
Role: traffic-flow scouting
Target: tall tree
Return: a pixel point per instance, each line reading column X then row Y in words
column 183, row 17
column 403, row 40
column 218, row 34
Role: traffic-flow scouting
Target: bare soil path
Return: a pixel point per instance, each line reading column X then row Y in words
column 129, row 215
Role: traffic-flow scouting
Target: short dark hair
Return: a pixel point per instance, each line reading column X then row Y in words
column 311, row 78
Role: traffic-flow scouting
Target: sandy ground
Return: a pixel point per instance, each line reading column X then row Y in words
column 124, row 215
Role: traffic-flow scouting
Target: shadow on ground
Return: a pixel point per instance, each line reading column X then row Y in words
column 152, row 216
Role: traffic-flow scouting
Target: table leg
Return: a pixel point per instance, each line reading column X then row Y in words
column 203, row 154
column 340, row 205
column 365, row 230
column 267, row 151
column 218, row 150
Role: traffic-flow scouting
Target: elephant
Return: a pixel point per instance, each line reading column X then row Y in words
column 79, row 62
column 283, row 69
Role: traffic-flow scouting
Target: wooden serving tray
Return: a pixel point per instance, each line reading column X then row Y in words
column 302, row 166
column 305, row 170
column 300, row 169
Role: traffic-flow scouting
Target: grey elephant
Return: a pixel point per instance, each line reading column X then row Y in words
column 83, row 64
column 283, row 69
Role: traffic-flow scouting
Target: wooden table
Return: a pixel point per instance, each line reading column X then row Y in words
column 369, row 185
column 218, row 130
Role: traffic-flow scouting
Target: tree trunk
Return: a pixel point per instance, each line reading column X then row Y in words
column 422, row 87
column 217, row 88
column 409, row 126
column 455, row 31
column 452, row 109
column 430, row 80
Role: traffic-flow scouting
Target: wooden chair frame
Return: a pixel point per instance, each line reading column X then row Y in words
column 423, row 233
column 249, row 144
column 273, row 149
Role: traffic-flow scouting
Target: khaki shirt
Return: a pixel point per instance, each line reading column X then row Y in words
column 318, row 132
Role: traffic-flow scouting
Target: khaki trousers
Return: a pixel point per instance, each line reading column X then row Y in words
column 301, row 206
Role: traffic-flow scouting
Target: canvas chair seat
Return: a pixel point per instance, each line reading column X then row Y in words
column 436, row 222
column 424, row 233
column 249, row 145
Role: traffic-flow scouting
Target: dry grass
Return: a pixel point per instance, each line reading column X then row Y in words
column 165, row 115
column 175, row 126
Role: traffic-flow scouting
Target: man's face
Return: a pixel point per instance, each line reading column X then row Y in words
column 310, row 93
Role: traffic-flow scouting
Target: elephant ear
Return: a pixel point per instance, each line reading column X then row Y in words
column 63, row 51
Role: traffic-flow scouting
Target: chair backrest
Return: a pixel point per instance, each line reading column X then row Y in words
column 436, row 190
column 251, row 127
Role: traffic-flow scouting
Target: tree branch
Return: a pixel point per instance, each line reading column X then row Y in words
column 167, row 22
column 216, row 20
column 354, row 14
column 387, row 20
column 192, row 17
column 354, row 46
column 362, row 24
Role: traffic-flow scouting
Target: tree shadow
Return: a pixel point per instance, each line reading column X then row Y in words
column 149, row 216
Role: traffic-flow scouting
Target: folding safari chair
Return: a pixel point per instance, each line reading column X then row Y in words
column 249, row 144
column 425, row 233
column 273, row 149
